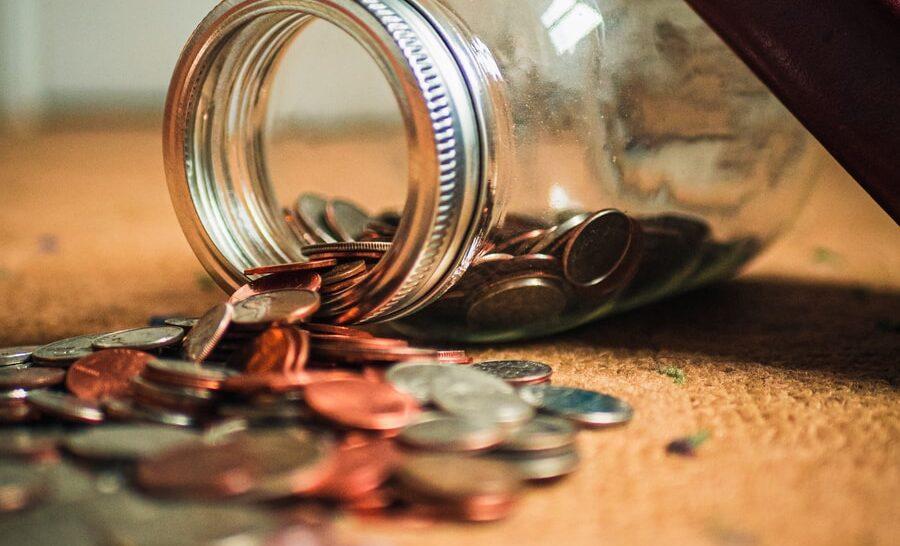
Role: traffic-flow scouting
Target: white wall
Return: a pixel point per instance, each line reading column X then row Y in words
column 83, row 55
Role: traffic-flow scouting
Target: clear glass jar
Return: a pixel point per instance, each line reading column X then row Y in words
column 549, row 161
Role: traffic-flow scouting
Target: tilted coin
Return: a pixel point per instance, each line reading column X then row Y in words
column 207, row 332
column 582, row 406
column 541, row 465
column 105, row 373
column 10, row 356
column 558, row 233
column 541, row 433
column 516, row 371
column 345, row 219
column 443, row 432
column 597, row 247
column 285, row 306
column 126, row 442
column 64, row 351
column 310, row 212
column 30, row 378
column 415, row 378
column 65, row 406
column 144, row 339
column 516, row 303
column 455, row 477
column 181, row 322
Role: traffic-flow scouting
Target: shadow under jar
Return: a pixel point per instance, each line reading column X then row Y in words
column 543, row 163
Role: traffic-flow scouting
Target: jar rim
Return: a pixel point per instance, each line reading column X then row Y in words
column 217, row 179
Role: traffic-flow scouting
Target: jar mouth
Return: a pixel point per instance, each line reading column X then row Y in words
column 216, row 167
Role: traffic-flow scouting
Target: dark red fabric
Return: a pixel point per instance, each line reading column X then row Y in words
column 836, row 65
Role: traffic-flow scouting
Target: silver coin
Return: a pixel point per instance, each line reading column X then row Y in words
column 127, row 410
column 442, row 432
column 126, row 442
column 64, row 351
column 474, row 394
column 541, row 433
column 151, row 394
column 11, row 356
column 583, row 406
column 182, row 368
column 557, row 233
column 415, row 378
column 143, row 339
column 276, row 306
column 65, row 406
column 516, row 371
column 598, row 247
column 13, row 395
column 310, row 212
column 541, row 465
column 207, row 332
column 372, row 246
column 181, row 322
column 516, row 303
column 345, row 220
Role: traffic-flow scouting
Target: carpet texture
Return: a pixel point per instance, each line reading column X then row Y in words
column 793, row 369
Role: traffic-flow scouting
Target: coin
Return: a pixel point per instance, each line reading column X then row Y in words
column 296, row 267
column 346, row 249
column 144, row 339
column 186, row 374
column 455, row 478
column 415, row 378
column 277, row 350
column 516, row 371
column 181, row 322
column 64, row 351
column 106, row 373
column 544, row 432
column 127, row 410
column 30, row 378
column 516, row 303
column 208, row 331
column 343, row 272
column 361, row 404
column 473, row 394
column 285, row 306
column 310, row 213
column 358, row 470
column 541, row 465
column 345, row 219
column 582, row 406
column 65, row 406
column 441, row 432
column 597, row 247
column 11, row 356
column 296, row 280
column 192, row 401
column 558, row 233
column 196, row 469
column 126, row 442
column 21, row 488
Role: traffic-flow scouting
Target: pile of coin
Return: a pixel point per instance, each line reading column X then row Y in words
column 264, row 403
column 529, row 274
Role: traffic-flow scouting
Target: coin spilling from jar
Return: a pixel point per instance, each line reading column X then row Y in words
column 530, row 272
column 264, row 404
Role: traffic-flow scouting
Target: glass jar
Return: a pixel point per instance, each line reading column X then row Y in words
column 543, row 163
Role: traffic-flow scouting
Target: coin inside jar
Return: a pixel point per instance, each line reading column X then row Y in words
column 345, row 219
column 597, row 247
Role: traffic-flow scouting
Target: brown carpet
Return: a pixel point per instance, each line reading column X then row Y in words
column 794, row 369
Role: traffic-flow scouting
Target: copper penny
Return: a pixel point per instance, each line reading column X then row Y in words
column 197, row 470
column 30, row 378
column 106, row 374
column 273, row 351
column 296, row 280
column 453, row 357
column 281, row 381
column 333, row 329
column 312, row 265
column 359, row 403
column 359, row 470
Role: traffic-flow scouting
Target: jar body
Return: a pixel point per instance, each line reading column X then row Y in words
column 626, row 154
